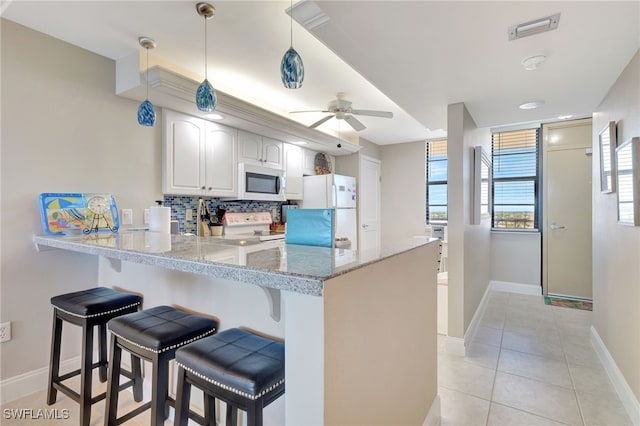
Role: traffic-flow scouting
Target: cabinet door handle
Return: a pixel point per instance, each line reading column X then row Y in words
column 210, row 188
column 203, row 187
column 365, row 226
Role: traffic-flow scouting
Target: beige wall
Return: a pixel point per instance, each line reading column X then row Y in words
column 349, row 165
column 63, row 130
column 403, row 191
column 616, row 248
column 469, row 245
column 516, row 257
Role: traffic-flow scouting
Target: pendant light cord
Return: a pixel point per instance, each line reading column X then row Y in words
column 147, row 73
column 205, row 48
column 291, row 21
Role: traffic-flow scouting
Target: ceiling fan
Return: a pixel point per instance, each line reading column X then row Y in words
column 340, row 108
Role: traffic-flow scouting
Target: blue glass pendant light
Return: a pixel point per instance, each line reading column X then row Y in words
column 206, row 98
column 291, row 67
column 146, row 112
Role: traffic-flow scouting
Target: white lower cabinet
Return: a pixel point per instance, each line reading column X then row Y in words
column 293, row 159
column 199, row 157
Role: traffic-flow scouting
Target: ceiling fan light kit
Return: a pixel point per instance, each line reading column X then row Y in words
column 146, row 112
column 291, row 66
column 206, row 98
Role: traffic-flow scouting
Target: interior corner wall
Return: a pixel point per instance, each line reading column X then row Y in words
column 469, row 245
column 616, row 248
column 63, row 130
column 403, row 191
column 349, row 165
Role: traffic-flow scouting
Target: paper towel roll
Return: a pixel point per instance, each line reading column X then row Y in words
column 160, row 219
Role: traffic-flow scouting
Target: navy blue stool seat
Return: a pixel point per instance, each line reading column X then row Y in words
column 87, row 309
column 242, row 369
column 154, row 335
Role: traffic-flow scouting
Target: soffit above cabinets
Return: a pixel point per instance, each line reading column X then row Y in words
column 176, row 91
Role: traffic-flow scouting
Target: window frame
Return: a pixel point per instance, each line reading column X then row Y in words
column 535, row 179
column 429, row 183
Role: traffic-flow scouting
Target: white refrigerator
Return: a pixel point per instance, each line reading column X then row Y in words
column 337, row 192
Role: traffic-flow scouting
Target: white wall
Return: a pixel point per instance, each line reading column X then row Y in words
column 63, row 130
column 616, row 248
column 403, row 191
column 516, row 257
column 469, row 245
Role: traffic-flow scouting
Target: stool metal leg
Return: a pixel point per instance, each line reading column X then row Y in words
column 85, row 375
column 113, row 383
column 183, row 395
column 54, row 363
column 102, row 346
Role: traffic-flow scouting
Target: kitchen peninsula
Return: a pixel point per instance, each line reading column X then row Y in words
column 359, row 328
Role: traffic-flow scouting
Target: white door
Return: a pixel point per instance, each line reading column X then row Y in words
column 567, row 224
column 369, row 205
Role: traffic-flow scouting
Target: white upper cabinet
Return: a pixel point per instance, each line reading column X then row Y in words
column 293, row 159
column 221, row 162
column 308, row 162
column 260, row 150
column 199, row 157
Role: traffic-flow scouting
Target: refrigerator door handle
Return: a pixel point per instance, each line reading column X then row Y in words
column 334, row 195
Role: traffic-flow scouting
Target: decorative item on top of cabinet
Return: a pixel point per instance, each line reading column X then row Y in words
column 322, row 164
column 260, row 150
column 293, row 167
column 199, row 157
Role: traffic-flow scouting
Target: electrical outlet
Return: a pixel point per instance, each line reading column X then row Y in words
column 127, row 217
column 188, row 214
column 5, row 332
column 146, row 216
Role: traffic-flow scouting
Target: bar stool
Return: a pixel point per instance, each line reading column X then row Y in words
column 154, row 335
column 88, row 308
column 243, row 370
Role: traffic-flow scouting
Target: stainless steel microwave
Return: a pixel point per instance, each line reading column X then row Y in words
column 260, row 183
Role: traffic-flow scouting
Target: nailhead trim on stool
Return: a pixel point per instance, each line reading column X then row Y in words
column 112, row 311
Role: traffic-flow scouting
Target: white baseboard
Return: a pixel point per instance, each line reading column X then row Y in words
column 454, row 346
column 434, row 415
column 475, row 321
column 630, row 402
column 33, row 381
column 531, row 289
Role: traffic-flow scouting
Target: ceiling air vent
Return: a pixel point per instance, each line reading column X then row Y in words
column 534, row 27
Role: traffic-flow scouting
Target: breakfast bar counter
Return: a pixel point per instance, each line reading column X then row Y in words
column 359, row 327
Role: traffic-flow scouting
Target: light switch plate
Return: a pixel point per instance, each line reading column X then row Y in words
column 127, row 217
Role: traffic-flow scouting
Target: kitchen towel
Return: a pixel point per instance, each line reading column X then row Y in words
column 311, row 227
column 160, row 219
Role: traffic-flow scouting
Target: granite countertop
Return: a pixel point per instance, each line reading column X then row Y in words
column 272, row 264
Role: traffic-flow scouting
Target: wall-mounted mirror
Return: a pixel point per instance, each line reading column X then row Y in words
column 481, row 186
column 607, row 158
column 628, row 178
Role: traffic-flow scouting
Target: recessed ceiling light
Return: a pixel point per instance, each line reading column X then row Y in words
column 564, row 117
column 533, row 62
column 531, row 105
column 213, row 116
column 299, row 143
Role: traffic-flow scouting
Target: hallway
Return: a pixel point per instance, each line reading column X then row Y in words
column 529, row 364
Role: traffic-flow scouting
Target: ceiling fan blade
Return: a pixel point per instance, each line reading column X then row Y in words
column 322, row 120
column 384, row 114
column 312, row 110
column 354, row 122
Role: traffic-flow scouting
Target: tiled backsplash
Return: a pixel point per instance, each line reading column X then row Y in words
column 179, row 204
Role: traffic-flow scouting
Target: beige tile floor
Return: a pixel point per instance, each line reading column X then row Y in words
column 529, row 364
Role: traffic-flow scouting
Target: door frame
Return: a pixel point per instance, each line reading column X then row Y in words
column 545, row 151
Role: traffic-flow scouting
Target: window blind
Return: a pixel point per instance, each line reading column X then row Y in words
column 436, row 181
column 515, row 186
